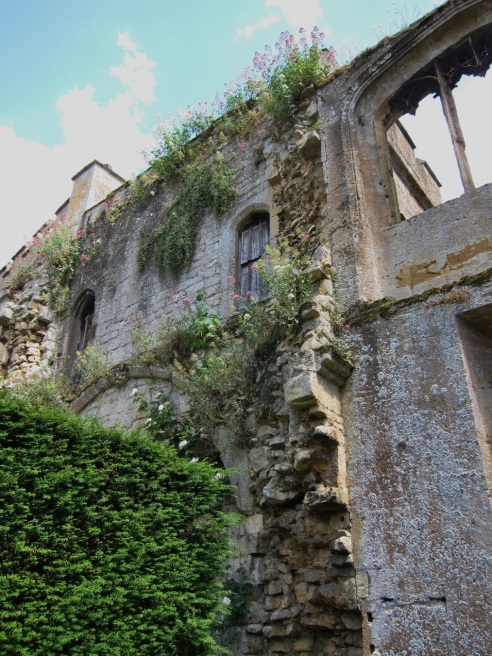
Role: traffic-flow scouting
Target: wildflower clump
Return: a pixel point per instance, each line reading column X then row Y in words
column 58, row 248
column 296, row 64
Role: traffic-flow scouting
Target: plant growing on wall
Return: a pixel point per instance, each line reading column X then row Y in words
column 203, row 187
column 58, row 248
column 191, row 327
column 282, row 271
column 111, row 543
column 297, row 64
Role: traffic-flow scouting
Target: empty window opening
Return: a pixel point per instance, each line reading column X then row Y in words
column 253, row 240
column 439, row 151
column 86, row 321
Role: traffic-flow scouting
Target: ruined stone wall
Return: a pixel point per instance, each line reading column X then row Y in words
column 363, row 480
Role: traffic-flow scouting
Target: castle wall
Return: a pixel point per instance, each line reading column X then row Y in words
column 363, row 477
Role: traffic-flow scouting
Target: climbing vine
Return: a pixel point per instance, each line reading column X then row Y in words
column 203, row 187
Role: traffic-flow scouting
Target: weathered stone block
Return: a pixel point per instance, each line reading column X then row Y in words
column 4, row 354
column 326, row 499
column 342, row 594
column 309, row 145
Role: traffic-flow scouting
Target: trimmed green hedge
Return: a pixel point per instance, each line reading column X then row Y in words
column 109, row 542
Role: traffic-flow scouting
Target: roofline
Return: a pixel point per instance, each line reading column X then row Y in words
column 65, row 204
column 106, row 167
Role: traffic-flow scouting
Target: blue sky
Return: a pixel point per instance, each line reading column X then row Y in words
column 87, row 80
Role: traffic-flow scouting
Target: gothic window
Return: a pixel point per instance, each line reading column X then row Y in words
column 253, row 239
column 416, row 185
column 85, row 320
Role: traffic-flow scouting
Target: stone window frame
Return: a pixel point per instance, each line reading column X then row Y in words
column 471, row 55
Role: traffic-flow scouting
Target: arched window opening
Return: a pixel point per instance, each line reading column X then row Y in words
column 437, row 153
column 254, row 237
column 85, row 321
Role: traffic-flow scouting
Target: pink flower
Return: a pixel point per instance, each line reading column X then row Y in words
column 84, row 257
column 306, row 236
column 231, row 279
column 254, row 268
column 186, row 301
column 170, row 297
column 179, row 420
column 234, row 296
column 248, row 293
column 347, row 326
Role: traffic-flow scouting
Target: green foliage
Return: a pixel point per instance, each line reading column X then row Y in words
column 201, row 325
column 165, row 424
column 113, row 208
column 21, row 274
column 38, row 390
column 92, row 364
column 197, row 327
column 159, row 347
column 219, row 389
column 141, row 189
column 203, row 188
column 173, row 150
column 58, row 248
column 288, row 78
column 238, row 592
column 110, row 543
column 264, row 324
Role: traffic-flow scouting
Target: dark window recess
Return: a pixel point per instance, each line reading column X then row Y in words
column 253, row 239
column 86, row 319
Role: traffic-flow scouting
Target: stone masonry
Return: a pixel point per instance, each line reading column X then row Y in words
column 364, row 478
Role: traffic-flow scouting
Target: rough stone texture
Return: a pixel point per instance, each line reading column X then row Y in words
column 365, row 477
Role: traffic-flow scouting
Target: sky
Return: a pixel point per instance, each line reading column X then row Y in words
column 85, row 81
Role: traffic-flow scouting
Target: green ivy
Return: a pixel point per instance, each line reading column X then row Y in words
column 110, row 543
column 204, row 187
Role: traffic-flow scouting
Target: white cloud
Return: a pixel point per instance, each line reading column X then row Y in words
column 125, row 41
column 262, row 24
column 136, row 71
column 35, row 179
column 299, row 13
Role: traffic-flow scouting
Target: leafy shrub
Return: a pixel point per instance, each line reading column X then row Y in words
column 297, row 65
column 21, row 274
column 59, row 249
column 141, row 189
column 110, row 543
column 173, row 138
column 219, row 389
